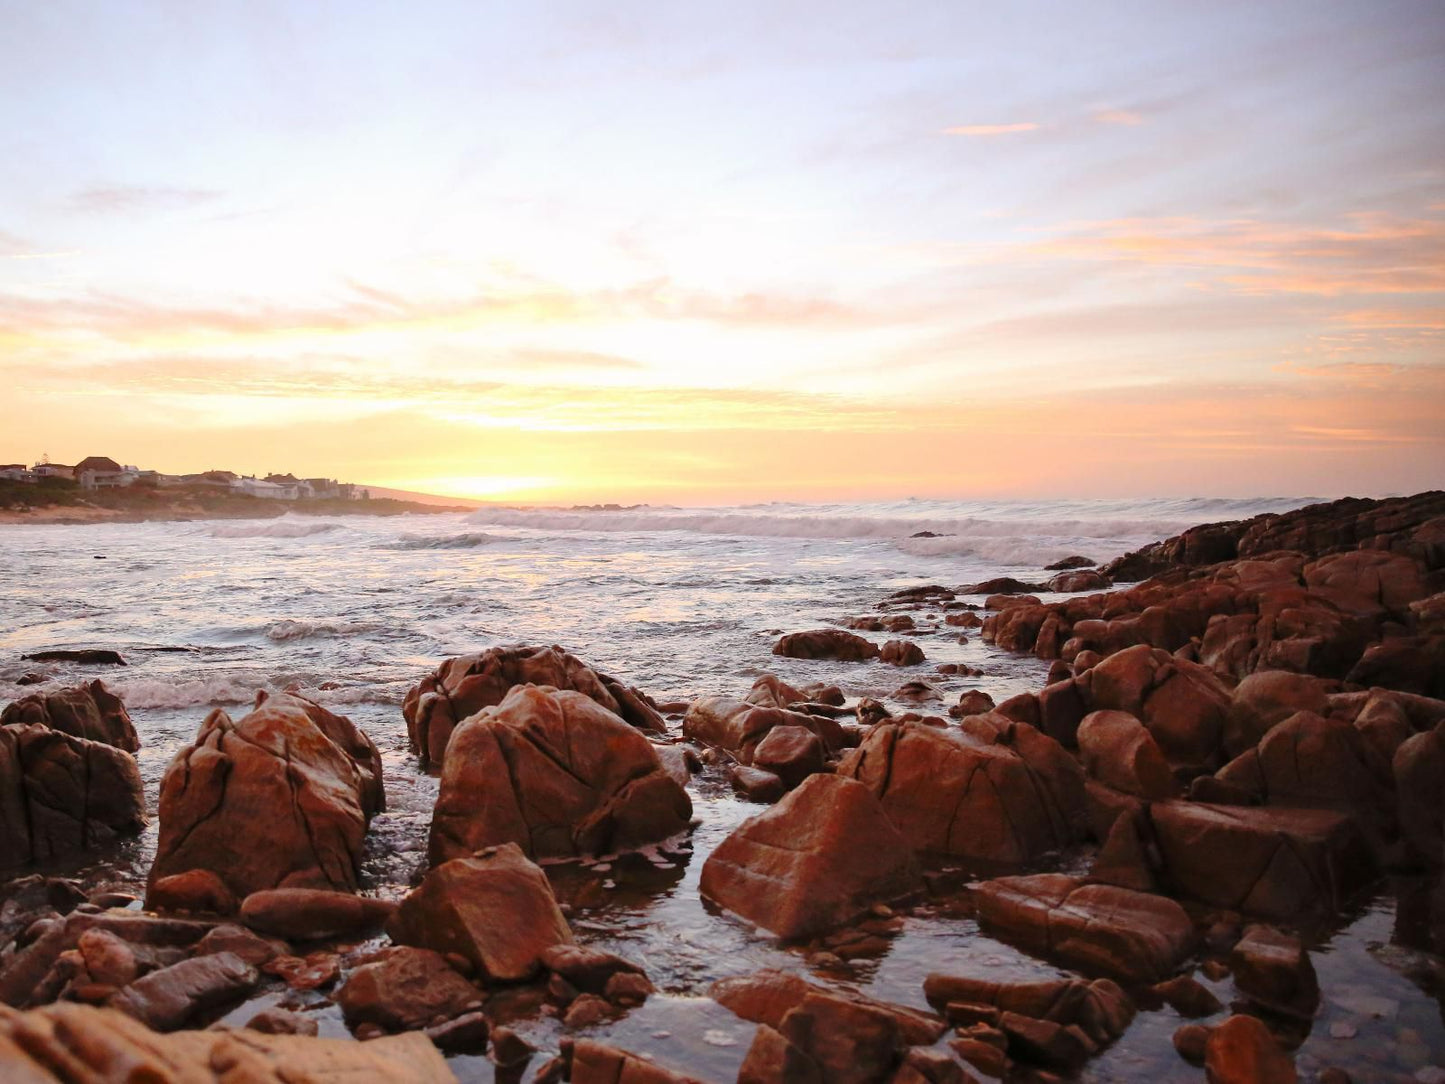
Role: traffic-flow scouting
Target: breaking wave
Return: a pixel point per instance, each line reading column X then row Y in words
column 288, row 526
column 467, row 541
column 288, row 629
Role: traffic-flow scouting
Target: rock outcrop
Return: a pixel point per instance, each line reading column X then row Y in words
column 89, row 711
column 463, row 686
column 557, row 774
column 826, row 644
column 818, row 858
column 280, row 798
column 992, row 789
column 60, row 794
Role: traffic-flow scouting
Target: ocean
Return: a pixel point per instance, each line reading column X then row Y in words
column 681, row 602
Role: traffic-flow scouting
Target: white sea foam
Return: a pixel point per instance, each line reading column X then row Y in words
column 287, row 526
column 291, row 629
column 466, row 541
column 184, row 693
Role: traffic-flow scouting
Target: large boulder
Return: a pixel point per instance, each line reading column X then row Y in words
column 463, row 686
column 1118, row 750
column 818, row 858
column 1311, row 761
column 1274, row 861
column 1242, row 1051
column 826, row 644
column 1183, row 705
column 496, row 909
column 187, row 991
column 1265, row 699
column 994, row 789
column 60, row 794
column 89, row 711
column 102, row 1046
column 1419, row 769
column 557, row 774
column 278, row 799
column 1133, row 936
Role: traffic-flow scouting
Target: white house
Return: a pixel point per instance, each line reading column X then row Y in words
column 271, row 491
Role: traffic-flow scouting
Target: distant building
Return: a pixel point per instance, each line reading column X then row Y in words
column 324, row 488
column 271, row 491
column 16, row 472
column 102, row 472
column 54, row 470
column 218, row 479
column 302, row 488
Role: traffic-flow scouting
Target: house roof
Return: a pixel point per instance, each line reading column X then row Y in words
column 97, row 463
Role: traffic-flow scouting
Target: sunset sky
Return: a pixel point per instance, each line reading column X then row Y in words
column 706, row 253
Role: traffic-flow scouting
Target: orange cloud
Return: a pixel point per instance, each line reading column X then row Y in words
column 1125, row 117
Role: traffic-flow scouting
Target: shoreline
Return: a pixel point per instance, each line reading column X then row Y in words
column 70, row 515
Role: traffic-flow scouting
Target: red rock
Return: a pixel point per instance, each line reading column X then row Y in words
column 252, row 948
column 197, row 891
column 998, row 791
column 1265, row 699
column 772, row 1059
column 1118, row 751
column 558, row 775
column 790, row 752
column 973, row 702
column 818, row 858
column 1274, row 862
column 757, row 785
column 902, row 653
column 1242, row 1051
column 1182, row 704
column 174, row 996
column 1419, row 768
column 282, row 1022
column 496, row 909
column 1188, row 996
column 770, row 691
column 1412, row 664
column 1101, row 928
column 587, row 969
column 740, row 727
column 1273, row 970
column 1099, row 1008
column 89, row 711
column 280, row 798
column 61, row 794
column 108, row 959
column 826, row 644
column 109, row 1046
column 308, row 914
column 597, row 1063
column 1083, row 580
column 463, row 686
column 409, row 988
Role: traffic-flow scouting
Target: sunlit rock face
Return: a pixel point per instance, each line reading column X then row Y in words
column 463, row 686
column 556, row 773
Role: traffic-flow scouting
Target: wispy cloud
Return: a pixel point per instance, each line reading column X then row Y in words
column 130, row 198
column 1126, row 117
column 992, row 129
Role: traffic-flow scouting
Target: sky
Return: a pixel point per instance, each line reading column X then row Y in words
column 576, row 251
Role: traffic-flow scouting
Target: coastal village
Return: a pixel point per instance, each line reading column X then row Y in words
column 101, row 472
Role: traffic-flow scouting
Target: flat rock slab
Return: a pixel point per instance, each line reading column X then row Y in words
column 1117, row 932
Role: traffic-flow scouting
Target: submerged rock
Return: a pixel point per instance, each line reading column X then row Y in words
column 558, row 775
column 818, row 858
column 463, row 686
column 826, row 644
column 407, row 989
column 279, row 798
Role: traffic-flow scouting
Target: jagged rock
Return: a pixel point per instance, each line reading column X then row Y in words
column 1273, row 862
column 276, row 1021
column 89, row 711
column 1311, row 761
column 182, row 993
column 409, row 988
column 1099, row 1009
column 1101, row 928
column 972, row 702
column 1242, row 1051
column 587, row 969
column 60, row 794
column 252, row 948
column 826, row 644
column 87, row 656
column 756, row 785
column 1273, row 970
column 740, row 726
column 463, row 686
column 279, row 798
column 1118, row 750
column 1188, row 996
column 309, row 914
column 555, row 773
column 819, row 857
column 1183, row 705
column 197, row 891
column 994, row 790
column 111, row 1048
column 1265, row 699
column 1077, row 581
column 496, row 909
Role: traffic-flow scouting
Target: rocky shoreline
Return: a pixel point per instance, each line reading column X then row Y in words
column 1226, row 759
